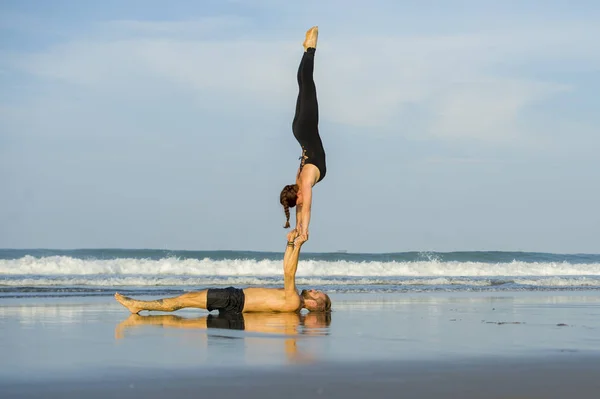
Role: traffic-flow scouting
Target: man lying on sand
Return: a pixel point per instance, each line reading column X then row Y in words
column 245, row 300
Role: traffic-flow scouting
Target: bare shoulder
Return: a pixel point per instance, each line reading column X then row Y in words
column 309, row 176
column 292, row 302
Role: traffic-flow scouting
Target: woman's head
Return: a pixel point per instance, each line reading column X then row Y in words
column 287, row 198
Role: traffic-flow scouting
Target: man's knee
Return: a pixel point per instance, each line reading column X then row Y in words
column 196, row 299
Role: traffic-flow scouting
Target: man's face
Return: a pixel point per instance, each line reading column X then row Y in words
column 312, row 298
column 312, row 294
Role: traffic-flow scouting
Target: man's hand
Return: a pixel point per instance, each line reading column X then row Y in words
column 291, row 236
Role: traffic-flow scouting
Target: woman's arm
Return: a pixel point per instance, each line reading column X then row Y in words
column 298, row 206
column 298, row 217
column 294, row 232
column 305, row 210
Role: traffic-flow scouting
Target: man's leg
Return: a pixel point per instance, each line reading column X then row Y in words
column 196, row 299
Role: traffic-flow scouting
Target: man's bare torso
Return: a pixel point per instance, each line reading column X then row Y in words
column 271, row 300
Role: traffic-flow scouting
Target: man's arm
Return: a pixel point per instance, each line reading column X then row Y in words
column 290, row 265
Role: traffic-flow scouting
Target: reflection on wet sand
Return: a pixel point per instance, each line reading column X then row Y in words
column 288, row 325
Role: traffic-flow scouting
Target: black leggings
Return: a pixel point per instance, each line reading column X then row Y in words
column 306, row 119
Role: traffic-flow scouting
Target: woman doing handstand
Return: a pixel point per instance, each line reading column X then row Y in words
column 305, row 128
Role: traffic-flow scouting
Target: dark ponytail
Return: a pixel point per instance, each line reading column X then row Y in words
column 287, row 198
column 286, row 209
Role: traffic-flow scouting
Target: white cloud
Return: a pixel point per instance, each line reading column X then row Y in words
column 455, row 81
column 487, row 108
column 199, row 26
column 370, row 83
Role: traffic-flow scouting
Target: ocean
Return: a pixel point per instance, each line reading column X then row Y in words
column 100, row 272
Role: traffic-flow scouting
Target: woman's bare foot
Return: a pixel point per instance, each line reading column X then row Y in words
column 311, row 38
column 129, row 303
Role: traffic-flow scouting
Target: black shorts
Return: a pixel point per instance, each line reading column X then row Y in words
column 227, row 320
column 225, row 300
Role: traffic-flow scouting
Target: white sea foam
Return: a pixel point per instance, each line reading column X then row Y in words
column 103, row 280
column 560, row 282
column 64, row 265
column 374, row 283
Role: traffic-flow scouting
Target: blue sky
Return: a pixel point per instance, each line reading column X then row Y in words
column 448, row 125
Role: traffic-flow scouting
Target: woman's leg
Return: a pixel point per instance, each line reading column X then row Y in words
column 299, row 99
column 306, row 118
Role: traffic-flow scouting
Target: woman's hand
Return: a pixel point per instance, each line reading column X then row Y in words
column 301, row 239
column 302, row 236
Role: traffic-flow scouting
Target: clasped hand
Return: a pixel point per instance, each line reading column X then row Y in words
column 297, row 237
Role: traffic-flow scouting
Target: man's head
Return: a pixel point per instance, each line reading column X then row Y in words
column 316, row 301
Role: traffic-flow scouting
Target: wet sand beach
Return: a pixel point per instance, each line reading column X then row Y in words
column 492, row 345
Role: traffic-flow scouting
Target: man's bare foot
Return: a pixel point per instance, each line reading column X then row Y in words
column 128, row 303
column 311, row 38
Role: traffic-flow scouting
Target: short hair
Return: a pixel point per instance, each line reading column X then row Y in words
column 324, row 304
